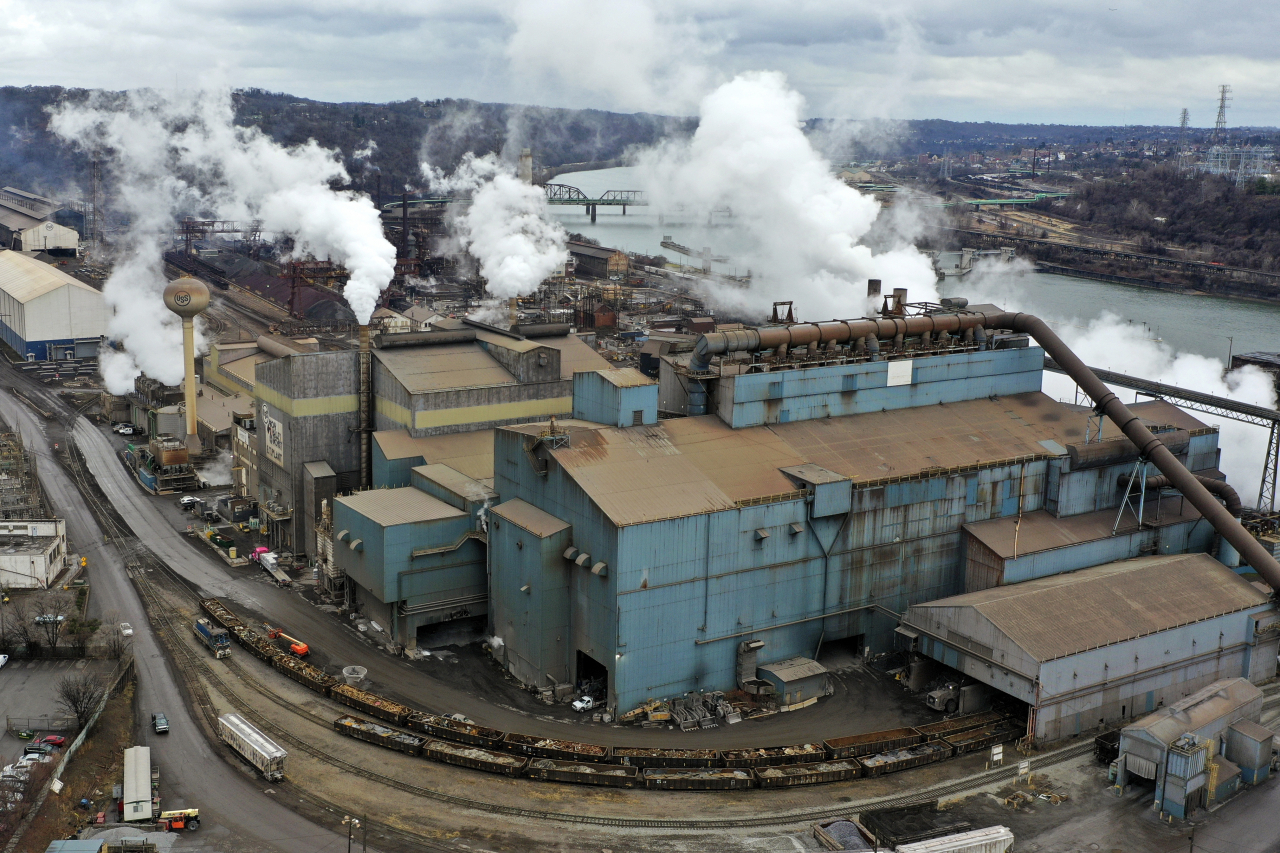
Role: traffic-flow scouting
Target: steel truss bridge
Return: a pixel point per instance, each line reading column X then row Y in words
column 1210, row 405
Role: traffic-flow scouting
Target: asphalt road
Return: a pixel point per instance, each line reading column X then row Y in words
column 192, row 775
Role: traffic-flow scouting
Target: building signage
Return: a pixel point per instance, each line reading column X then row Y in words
column 900, row 372
column 273, row 438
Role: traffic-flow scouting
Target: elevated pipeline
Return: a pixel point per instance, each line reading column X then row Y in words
column 818, row 335
column 1217, row 487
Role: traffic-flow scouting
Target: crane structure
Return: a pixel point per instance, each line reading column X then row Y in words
column 296, row 646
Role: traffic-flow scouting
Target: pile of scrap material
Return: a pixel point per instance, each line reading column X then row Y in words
column 649, row 713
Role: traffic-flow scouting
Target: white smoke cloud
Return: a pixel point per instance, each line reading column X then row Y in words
column 176, row 153
column 1111, row 343
column 749, row 157
column 506, row 227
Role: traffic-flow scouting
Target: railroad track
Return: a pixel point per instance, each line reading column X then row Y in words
column 162, row 616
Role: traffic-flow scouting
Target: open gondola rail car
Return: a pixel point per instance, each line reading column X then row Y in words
column 474, row 757
column 956, row 725
column 370, row 703
column 698, row 778
column 304, row 673
column 642, row 757
column 256, row 645
column 455, row 730
column 872, row 742
column 769, row 756
column 559, row 750
column 906, row 758
column 219, row 613
column 256, row 748
column 371, row 732
column 792, row 775
column 972, row 741
column 584, row 773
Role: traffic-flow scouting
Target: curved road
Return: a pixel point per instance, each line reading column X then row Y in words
column 231, row 802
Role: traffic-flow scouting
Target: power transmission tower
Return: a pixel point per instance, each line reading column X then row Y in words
column 1220, row 127
column 1182, row 140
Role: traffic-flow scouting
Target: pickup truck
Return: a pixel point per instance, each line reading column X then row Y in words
column 586, row 703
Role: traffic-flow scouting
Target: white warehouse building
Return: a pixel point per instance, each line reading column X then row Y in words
column 46, row 314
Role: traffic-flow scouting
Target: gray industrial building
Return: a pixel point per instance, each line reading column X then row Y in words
column 815, row 484
column 1197, row 751
column 1102, row 645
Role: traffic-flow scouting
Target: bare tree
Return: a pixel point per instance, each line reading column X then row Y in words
column 52, row 617
column 79, row 695
column 79, row 632
column 115, row 643
column 21, row 627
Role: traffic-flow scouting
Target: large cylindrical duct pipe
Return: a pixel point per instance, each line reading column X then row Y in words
column 1217, row 487
column 1105, row 402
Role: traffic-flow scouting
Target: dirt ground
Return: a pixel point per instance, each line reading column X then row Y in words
column 97, row 766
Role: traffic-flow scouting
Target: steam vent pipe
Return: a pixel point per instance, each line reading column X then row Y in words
column 1105, row 402
column 366, row 428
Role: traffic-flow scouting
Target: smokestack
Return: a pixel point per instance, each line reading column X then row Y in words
column 524, row 171
column 899, row 300
column 873, row 288
column 366, row 428
column 187, row 297
column 513, row 314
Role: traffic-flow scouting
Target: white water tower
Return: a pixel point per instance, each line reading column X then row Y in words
column 187, row 297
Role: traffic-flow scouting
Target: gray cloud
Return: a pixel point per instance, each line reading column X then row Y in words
column 994, row 59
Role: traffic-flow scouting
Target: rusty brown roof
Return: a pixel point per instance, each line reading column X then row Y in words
column 1041, row 531
column 529, row 517
column 689, row 466
column 470, row 453
column 389, row 507
column 1065, row 614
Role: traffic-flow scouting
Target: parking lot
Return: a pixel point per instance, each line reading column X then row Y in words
column 29, row 689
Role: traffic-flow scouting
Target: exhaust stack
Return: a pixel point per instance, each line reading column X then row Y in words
column 366, row 427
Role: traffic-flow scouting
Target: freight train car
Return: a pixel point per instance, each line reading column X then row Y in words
column 773, row 755
column 791, row 775
column 649, row 757
column 905, row 758
column 371, row 732
column 256, row 748
column 584, row 773
column 560, row 750
column 255, row 644
column 972, row 741
column 872, row 742
column 698, row 778
column 956, row 725
column 474, row 757
column 455, row 730
column 219, row 613
column 304, row 673
column 370, row 703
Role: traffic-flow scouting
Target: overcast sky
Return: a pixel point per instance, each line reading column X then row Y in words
column 1086, row 62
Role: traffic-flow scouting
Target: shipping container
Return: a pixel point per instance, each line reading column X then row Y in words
column 372, row 732
column 790, row 775
column 646, row 757
column 770, row 756
column 258, row 749
column 455, row 730
column 955, row 725
column 972, row 741
column 906, row 757
column 304, row 673
column 219, row 613
column 370, row 703
column 872, row 742
column 698, row 778
column 584, row 773
column 561, row 750
column 474, row 757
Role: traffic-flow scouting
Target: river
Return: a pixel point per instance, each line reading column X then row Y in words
column 1202, row 325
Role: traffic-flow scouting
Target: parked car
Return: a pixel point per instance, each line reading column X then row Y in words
column 160, row 723
column 126, row 630
column 53, row 740
column 48, row 619
column 187, row 501
column 127, row 429
column 26, row 734
column 4, row 659
column 586, row 703
column 37, row 749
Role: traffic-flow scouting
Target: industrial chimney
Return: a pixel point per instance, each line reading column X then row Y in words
column 524, row 171
column 188, row 297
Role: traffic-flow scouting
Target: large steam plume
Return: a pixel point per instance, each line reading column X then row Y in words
column 750, row 157
column 506, row 227
column 181, row 153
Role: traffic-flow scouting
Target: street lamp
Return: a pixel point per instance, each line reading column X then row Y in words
column 350, row 823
